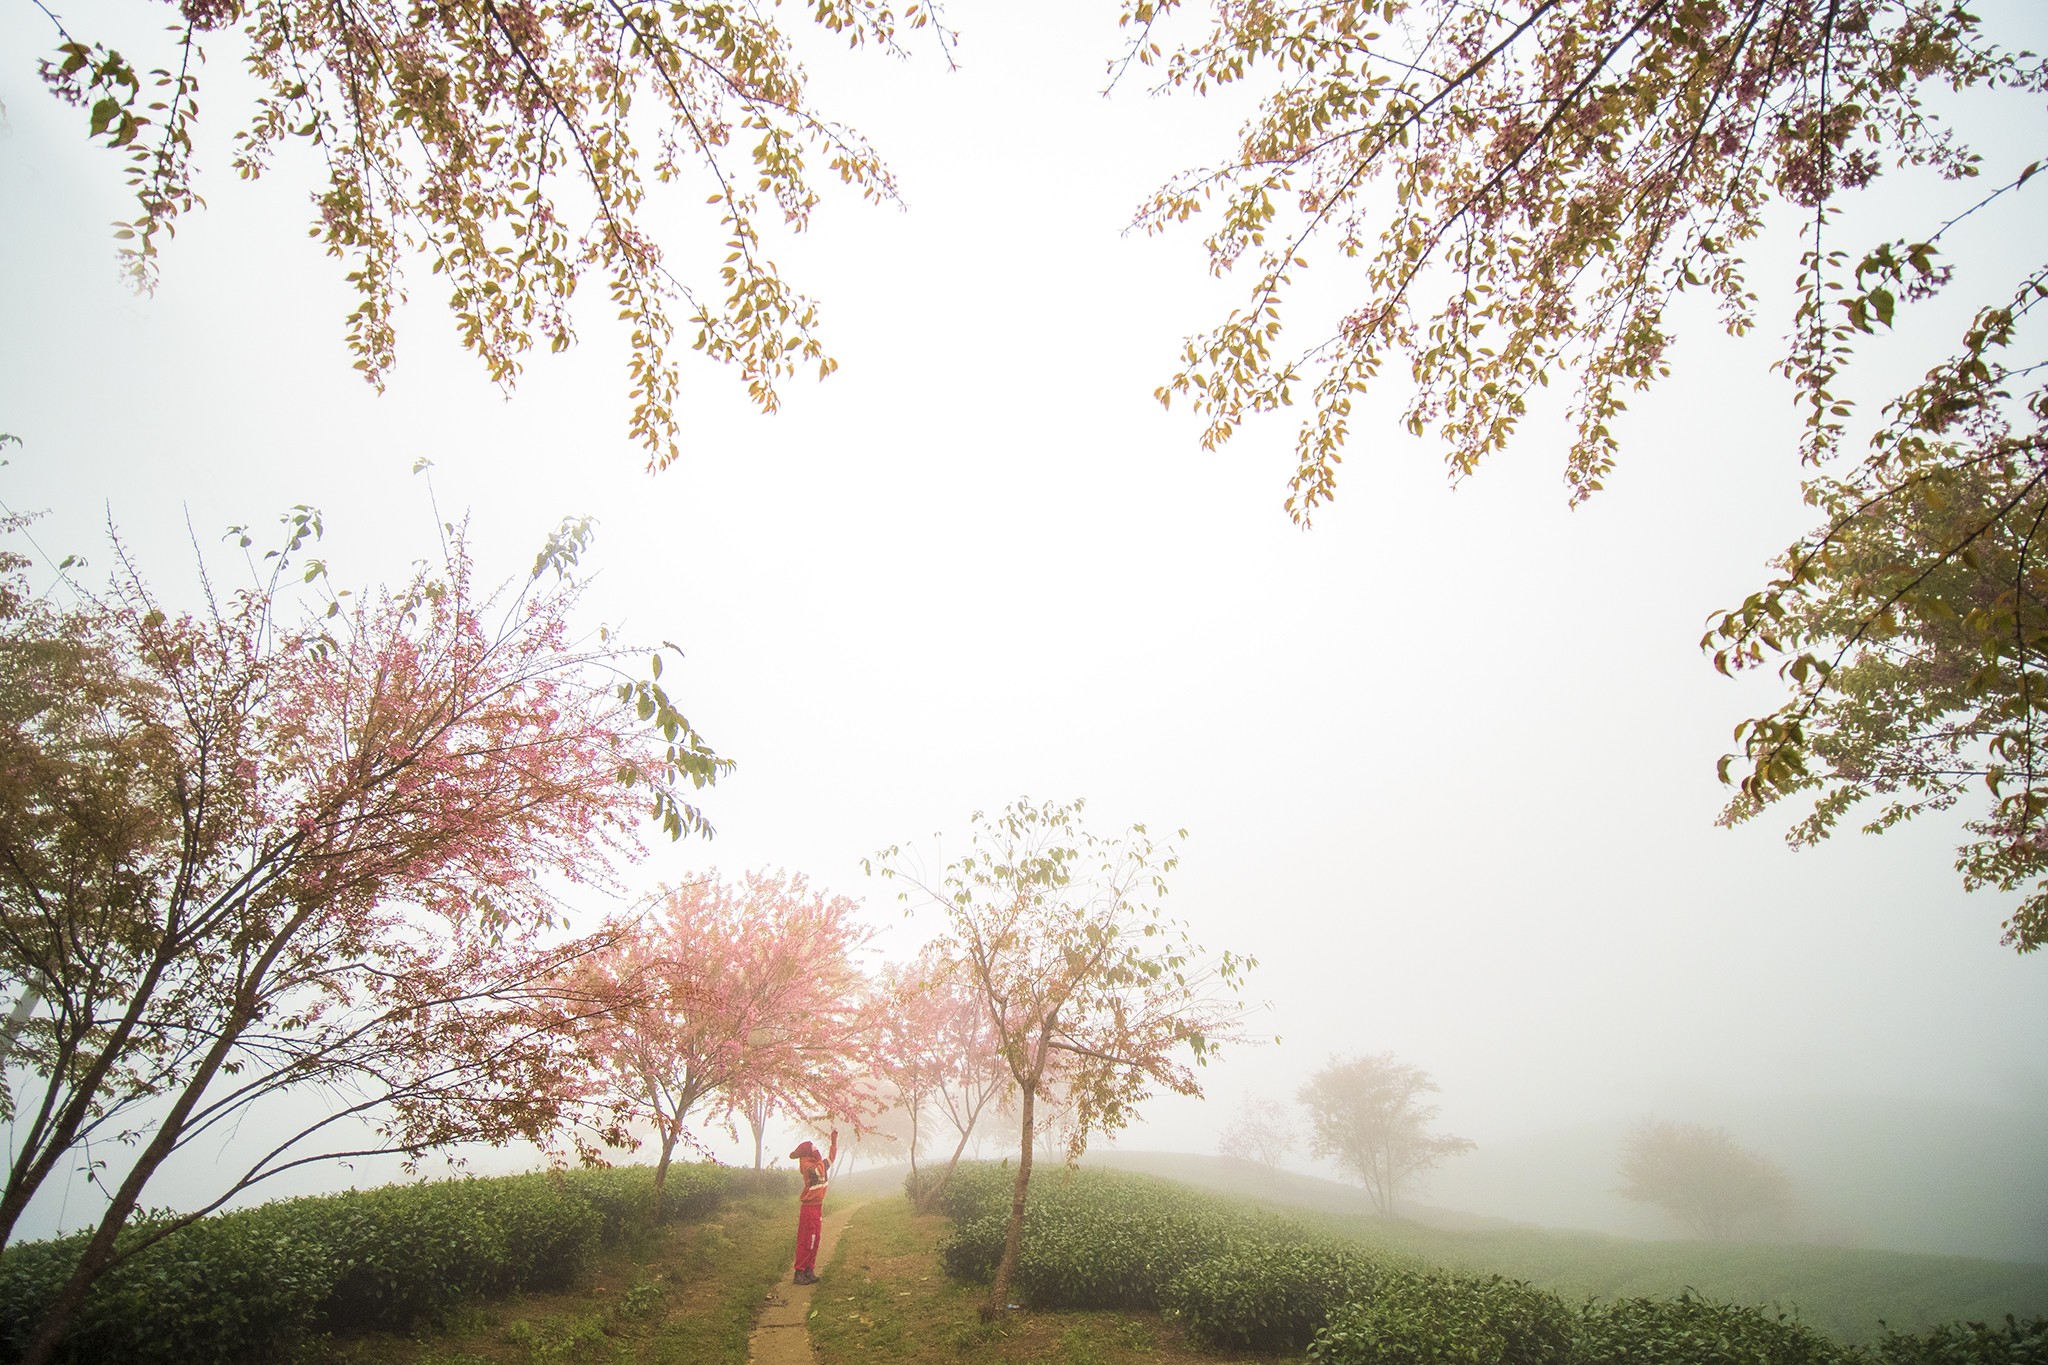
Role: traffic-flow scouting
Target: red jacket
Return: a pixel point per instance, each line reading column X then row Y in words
column 813, row 1168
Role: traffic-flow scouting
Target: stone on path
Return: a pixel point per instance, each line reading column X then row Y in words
column 782, row 1334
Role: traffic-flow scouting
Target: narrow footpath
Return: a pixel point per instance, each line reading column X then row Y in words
column 782, row 1334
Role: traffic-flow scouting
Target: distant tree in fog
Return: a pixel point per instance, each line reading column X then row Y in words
column 890, row 1135
column 755, row 1106
column 1701, row 1177
column 938, row 1047
column 1368, row 1113
column 1262, row 1131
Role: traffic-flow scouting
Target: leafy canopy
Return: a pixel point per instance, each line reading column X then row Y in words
column 936, row 1047
column 513, row 147
column 1522, row 194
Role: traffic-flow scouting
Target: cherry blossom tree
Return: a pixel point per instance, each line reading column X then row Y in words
column 1092, row 993
column 249, row 849
column 940, row 1052
column 745, row 992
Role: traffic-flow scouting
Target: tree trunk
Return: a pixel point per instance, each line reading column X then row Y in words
column 668, row 1148
column 63, row 1310
column 931, row 1196
column 913, row 1155
column 31, row 1167
column 757, row 1119
column 1013, row 1236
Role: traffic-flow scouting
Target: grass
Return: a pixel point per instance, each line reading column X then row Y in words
column 685, row 1294
column 884, row 1301
column 1842, row 1291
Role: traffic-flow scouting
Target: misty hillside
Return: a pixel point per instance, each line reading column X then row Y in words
column 1953, row 1179
column 1843, row 1291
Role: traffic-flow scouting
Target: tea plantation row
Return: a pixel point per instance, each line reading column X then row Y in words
column 1240, row 1278
column 247, row 1286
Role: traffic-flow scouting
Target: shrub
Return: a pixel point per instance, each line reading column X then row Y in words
column 976, row 1187
column 1091, row 1240
column 623, row 1198
column 918, row 1182
column 408, row 1253
column 1269, row 1297
column 1437, row 1318
column 1968, row 1343
column 1097, row 1239
column 1072, row 1260
column 1689, row 1330
column 971, row 1253
column 239, row 1286
column 1090, row 1244
column 245, row 1286
column 624, row 1195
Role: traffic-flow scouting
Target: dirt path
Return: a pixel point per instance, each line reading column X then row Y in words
column 782, row 1333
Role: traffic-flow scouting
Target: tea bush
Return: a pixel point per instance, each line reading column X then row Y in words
column 408, row 1253
column 245, row 1286
column 1690, row 1330
column 1091, row 1240
column 1438, row 1318
column 976, row 1187
column 1095, row 1239
column 1968, row 1343
column 971, row 1253
column 237, row 1286
column 1270, row 1296
column 624, row 1195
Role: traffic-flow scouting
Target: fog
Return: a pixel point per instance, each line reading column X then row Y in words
column 1446, row 762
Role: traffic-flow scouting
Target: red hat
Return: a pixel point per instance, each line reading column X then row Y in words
column 803, row 1149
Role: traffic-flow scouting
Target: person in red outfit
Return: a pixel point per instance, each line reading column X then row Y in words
column 810, row 1215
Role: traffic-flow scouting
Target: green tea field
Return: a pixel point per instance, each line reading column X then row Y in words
column 1117, row 1267
column 1845, row 1292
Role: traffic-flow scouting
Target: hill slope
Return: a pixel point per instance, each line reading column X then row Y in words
column 1842, row 1291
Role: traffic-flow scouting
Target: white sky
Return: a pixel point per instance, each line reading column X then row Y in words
column 1446, row 762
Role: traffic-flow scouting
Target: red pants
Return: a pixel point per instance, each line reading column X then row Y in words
column 810, row 1219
